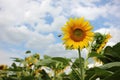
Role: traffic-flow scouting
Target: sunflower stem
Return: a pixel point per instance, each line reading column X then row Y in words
column 54, row 78
column 81, row 65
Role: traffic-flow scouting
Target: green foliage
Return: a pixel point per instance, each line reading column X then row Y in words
column 35, row 68
column 76, row 63
column 110, row 70
column 98, row 39
column 25, row 69
column 111, row 54
column 115, row 76
column 32, row 67
column 110, row 65
column 96, row 72
column 94, row 54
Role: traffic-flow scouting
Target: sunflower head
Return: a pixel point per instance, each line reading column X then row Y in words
column 77, row 33
column 3, row 67
column 105, row 40
column 99, row 44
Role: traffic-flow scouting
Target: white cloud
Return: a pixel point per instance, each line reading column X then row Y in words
column 113, row 8
column 89, row 12
column 11, row 11
column 19, row 12
column 86, row 2
column 59, row 50
column 40, row 42
column 6, row 57
column 18, row 35
column 57, row 23
column 15, row 35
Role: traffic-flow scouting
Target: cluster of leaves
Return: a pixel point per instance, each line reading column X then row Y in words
column 34, row 68
column 110, row 70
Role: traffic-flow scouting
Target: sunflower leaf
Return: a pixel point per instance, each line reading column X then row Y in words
column 115, row 76
column 94, row 54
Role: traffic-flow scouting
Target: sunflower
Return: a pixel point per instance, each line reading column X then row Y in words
column 3, row 67
column 77, row 33
column 107, row 37
column 101, row 46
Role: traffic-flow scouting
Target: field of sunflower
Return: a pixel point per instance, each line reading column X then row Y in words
column 77, row 35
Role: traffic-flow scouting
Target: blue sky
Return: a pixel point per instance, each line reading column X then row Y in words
column 35, row 24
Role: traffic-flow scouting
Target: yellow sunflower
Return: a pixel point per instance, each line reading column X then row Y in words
column 107, row 37
column 3, row 67
column 77, row 33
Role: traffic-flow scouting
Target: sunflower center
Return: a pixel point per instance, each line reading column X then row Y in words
column 77, row 35
column 78, row 32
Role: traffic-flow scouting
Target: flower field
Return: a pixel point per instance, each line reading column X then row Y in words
column 77, row 35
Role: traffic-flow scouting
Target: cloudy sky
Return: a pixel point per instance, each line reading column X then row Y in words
column 35, row 24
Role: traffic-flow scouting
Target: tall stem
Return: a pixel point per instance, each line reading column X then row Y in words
column 54, row 78
column 81, row 65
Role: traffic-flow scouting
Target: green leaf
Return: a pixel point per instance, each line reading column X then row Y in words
column 110, row 65
column 111, row 54
column 44, row 76
column 46, row 57
column 74, row 76
column 14, row 65
column 17, row 59
column 1, row 79
column 94, row 54
column 61, row 59
column 76, row 64
column 28, row 52
column 113, row 66
column 96, row 72
column 116, row 48
column 36, row 56
column 115, row 76
column 27, row 78
column 46, row 62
